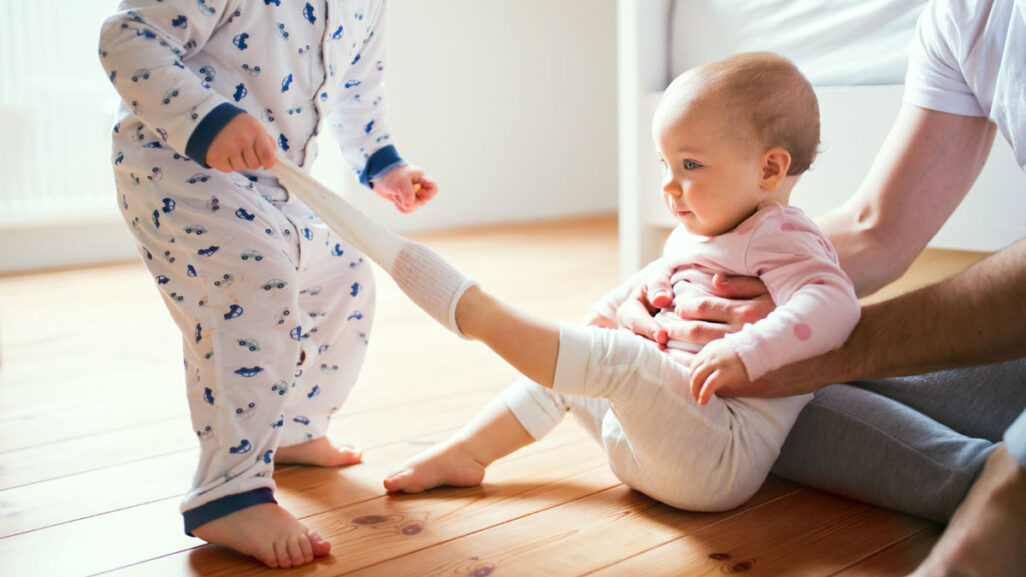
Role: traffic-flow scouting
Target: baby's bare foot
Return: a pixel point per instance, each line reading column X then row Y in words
column 320, row 452
column 443, row 464
column 987, row 535
column 268, row 533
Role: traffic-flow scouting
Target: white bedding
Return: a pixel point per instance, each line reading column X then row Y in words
column 833, row 42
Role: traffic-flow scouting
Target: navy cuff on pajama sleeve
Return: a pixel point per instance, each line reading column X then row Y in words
column 380, row 163
column 225, row 506
column 207, row 129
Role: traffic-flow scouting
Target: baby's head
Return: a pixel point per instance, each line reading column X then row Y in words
column 734, row 133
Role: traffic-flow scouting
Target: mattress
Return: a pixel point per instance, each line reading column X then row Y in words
column 833, row 42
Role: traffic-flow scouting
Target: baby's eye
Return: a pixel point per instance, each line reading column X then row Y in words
column 691, row 165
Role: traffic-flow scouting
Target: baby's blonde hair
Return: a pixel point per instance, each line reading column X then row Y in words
column 767, row 93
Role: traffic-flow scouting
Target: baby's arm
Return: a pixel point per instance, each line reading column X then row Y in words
column 143, row 48
column 817, row 309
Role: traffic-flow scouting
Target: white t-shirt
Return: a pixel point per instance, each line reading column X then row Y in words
column 969, row 57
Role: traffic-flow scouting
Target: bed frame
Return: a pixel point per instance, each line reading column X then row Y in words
column 855, row 120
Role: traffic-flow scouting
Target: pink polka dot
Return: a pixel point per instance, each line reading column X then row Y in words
column 787, row 227
column 803, row 331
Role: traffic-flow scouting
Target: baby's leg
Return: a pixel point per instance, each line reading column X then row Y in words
column 525, row 412
column 461, row 461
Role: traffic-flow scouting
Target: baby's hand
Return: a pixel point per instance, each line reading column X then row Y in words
column 407, row 187
column 242, row 144
column 715, row 367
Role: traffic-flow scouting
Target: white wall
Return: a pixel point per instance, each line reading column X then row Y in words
column 509, row 104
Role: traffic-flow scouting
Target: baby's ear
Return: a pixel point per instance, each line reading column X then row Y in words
column 775, row 163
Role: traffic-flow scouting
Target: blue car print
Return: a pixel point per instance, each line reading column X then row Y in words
column 199, row 332
column 169, row 96
column 249, row 344
column 234, row 312
column 285, row 83
column 208, row 73
column 269, row 2
column 274, row 284
column 282, row 32
column 240, row 41
column 243, row 447
column 337, row 34
column 248, row 372
column 198, row 177
column 240, row 92
column 281, row 387
column 283, row 142
column 355, row 316
column 208, row 396
column 180, row 22
column 308, row 13
column 316, row 390
column 252, row 254
column 226, row 280
column 156, row 219
column 169, row 203
column 301, row 420
column 141, row 74
column 243, row 214
column 355, row 289
column 208, row 251
column 337, row 250
column 247, row 412
column 266, row 458
column 162, row 280
column 195, row 229
column 296, row 333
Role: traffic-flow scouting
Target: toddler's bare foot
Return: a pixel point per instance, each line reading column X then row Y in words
column 268, row 533
column 987, row 535
column 320, row 452
column 443, row 464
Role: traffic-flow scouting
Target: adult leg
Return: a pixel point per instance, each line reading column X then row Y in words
column 857, row 443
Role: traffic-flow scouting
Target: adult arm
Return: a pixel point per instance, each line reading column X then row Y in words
column 925, row 168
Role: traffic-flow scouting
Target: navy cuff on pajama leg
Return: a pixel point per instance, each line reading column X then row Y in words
column 207, row 129
column 225, row 506
column 380, row 163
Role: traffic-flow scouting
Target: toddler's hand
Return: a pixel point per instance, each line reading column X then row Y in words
column 714, row 367
column 242, row 144
column 399, row 187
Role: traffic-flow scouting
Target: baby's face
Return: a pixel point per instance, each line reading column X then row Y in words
column 711, row 182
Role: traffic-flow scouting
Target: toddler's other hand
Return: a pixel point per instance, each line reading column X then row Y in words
column 714, row 367
column 399, row 187
column 242, row 144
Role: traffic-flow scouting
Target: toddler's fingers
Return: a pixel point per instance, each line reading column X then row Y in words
column 250, row 158
column 265, row 150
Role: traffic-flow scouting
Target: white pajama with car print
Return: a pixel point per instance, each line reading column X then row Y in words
column 275, row 310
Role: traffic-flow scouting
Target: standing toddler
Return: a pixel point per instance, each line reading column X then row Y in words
column 275, row 310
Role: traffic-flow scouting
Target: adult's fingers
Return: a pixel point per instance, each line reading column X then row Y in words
column 635, row 316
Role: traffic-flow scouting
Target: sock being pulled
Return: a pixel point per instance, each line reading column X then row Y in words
column 428, row 279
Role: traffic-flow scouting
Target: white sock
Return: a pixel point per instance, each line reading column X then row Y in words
column 428, row 279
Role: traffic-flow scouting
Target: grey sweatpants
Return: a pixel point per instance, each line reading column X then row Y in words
column 913, row 444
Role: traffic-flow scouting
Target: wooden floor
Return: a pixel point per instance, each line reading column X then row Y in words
column 96, row 448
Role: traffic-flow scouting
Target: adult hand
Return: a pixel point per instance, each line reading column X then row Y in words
column 242, row 144
column 407, row 187
column 704, row 318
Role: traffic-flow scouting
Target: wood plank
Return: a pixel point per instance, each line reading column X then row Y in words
column 571, row 539
column 899, row 559
column 804, row 533
column 141, row 480
column 319, row 496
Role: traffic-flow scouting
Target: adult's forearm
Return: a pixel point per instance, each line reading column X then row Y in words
column 975, row 317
